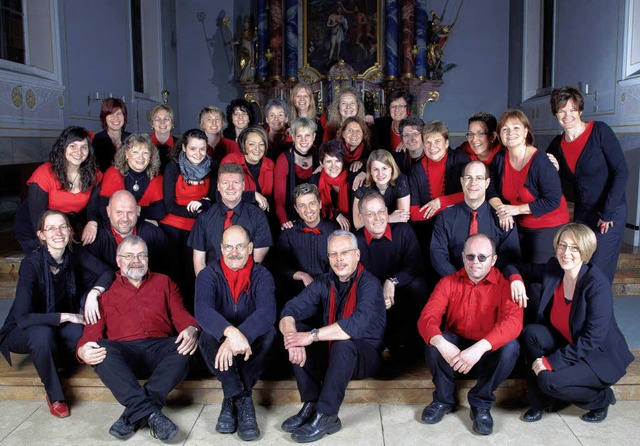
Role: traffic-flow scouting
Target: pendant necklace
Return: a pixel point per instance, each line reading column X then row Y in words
column 72, row 182
column 135, row 186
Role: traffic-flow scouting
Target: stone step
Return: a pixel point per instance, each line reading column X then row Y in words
column 411, row 386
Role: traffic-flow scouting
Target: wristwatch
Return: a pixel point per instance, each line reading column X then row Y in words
column 394, row 281
column 314, row 335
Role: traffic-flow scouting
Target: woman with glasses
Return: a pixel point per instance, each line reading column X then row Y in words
column 575, row 350
column 589, row 156
column 240, row 114
column 46, row 317
column 161, row 120
column 387, row 128
column 113, row 117
column 482, row 140
column 384, row 176
column 64, row 183
column 346, row 104
column 525, row 186
column 136, row 168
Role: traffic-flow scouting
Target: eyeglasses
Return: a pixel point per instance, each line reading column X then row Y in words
column 469, row 178
column 478, row 134
column 239, row 114
column 334, row 255
column 53, row 229
column 164, row 119
column 397, row 107
column 481, row 257
column 379, row 214
column 240, row 247
column 563, row 247
column 130, row 256
column 414, row 135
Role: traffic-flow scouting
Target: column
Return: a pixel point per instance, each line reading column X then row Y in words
column 391, row 39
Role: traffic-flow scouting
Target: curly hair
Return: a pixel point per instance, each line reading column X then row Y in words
column 88, row 168
column 366, row 133
column 335, row 119
column 120, row 158
column 243, row 105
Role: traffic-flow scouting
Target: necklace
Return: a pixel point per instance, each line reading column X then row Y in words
column 72, row 182
column 136, row 186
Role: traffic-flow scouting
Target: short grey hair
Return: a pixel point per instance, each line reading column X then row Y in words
column 132, row 240
column 342, row 233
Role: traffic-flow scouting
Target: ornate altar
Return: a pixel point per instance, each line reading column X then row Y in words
column 342, row 44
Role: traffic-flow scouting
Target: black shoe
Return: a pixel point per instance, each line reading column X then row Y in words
column 228, row 418
column 435, row 412
column 122, row 429
column 532, row 415
column 247, row 424
column 482, row 421
column 292, row 423
column 162, row 427
column 316, row 428
column 599, row 415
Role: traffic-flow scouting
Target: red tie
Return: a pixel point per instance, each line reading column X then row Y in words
column 473, row 227
column 315, row 231
column 227, row 220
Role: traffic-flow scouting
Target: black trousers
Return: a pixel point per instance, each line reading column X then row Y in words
column 47, row 346
column 402, row 317
column 327, row 371
column 180, row 263
column 126, row 361
column 491, row 370
column 577, row 384
column 242, row 375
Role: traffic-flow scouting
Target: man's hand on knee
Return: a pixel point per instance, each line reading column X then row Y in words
column 91, row 353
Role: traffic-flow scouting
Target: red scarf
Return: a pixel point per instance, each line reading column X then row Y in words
column 324, row 186
column 154, row 140
column 349, row 305
column 238, row 280
column 350, row 156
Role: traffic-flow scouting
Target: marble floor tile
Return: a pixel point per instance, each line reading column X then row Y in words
column 14, row 413
column 622, row 426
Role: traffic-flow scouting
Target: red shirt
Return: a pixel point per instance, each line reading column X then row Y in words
column 224, row 147
column 435, row 172
column 265, row 180
column 154, row 310
column 60, row 199
column 186, row 193
column 560, row 310
column 573, row 149
column 113, row 181
column 394, row 139
column 473, row 311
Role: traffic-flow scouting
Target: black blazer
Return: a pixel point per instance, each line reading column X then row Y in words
column 597, row 340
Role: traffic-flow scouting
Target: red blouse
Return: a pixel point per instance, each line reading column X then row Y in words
column 265, row 179
column 186, row 193
column 113, row 181
column 573, row 149
column 60, row 199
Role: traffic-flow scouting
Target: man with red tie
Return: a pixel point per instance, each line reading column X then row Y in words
column 474, row 215
column 206, row 234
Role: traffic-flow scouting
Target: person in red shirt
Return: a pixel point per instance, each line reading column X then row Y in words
column 143, row 322
column 161, row 120
column 481, row 326
column 482, row 139
column 212, row 123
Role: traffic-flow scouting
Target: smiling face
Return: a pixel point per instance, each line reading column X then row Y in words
column 55, row 233
column 196, row 150
column 76, row 152
column 136, row 268
column 412, row 140
column 479, row 139
column 352, row 135
column 211, row 123
column 162, row 122
column 115, row 120
column 343, row 257
column 303, row 140
column 348, row 106
column 277, row 119
column 240, row 119
column 568, row 252
column 477, row 270
column 435, row 146
column 398, row 109
column 235, row 248
column 474, row 183
column 138, row 157
column 230, row 186
column 381, row 173
column 254, row 148
column 513, row 134
column 569, row 115
column 123, row 213
column 375, row 217
column 302, row 101
column 308, row 208
column 332, row 165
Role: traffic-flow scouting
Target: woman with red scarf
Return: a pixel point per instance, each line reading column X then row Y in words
column 334, row 184
column 161, row 120
column 258, row 169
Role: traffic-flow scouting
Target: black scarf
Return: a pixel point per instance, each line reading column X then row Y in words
column 64, row 269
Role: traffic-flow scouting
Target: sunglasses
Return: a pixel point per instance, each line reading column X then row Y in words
column 481, row 257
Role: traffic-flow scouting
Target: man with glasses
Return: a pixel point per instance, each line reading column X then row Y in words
column 480, row 325
column 136, row 335
column 236, row 308
column 346, row 347
column 411, row 149
column 474, row 215
column 231, row 210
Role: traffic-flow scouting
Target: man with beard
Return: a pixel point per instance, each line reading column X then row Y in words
column 144, row 329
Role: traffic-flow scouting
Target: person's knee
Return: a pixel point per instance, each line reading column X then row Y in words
column 41, row 339
column 511, row 350
column 343, row 350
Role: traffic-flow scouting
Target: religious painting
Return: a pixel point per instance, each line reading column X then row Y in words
column 335, row 30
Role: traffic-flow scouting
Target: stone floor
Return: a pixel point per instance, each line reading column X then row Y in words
column 29, row 423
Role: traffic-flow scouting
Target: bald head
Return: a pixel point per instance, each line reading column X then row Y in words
column 236, row 247
column 122, row 212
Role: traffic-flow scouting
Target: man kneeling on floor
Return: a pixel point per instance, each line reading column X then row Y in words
column 236, row 308
column 481, row 324
column 135, row 335
column 347, row 347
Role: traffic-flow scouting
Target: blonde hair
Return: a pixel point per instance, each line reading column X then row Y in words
column 293, row 111
column 120, row 158
column 335, row 119
column 384, row 157
column 584, row 236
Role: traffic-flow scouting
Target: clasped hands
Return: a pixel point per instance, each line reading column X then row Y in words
column 235, row 344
